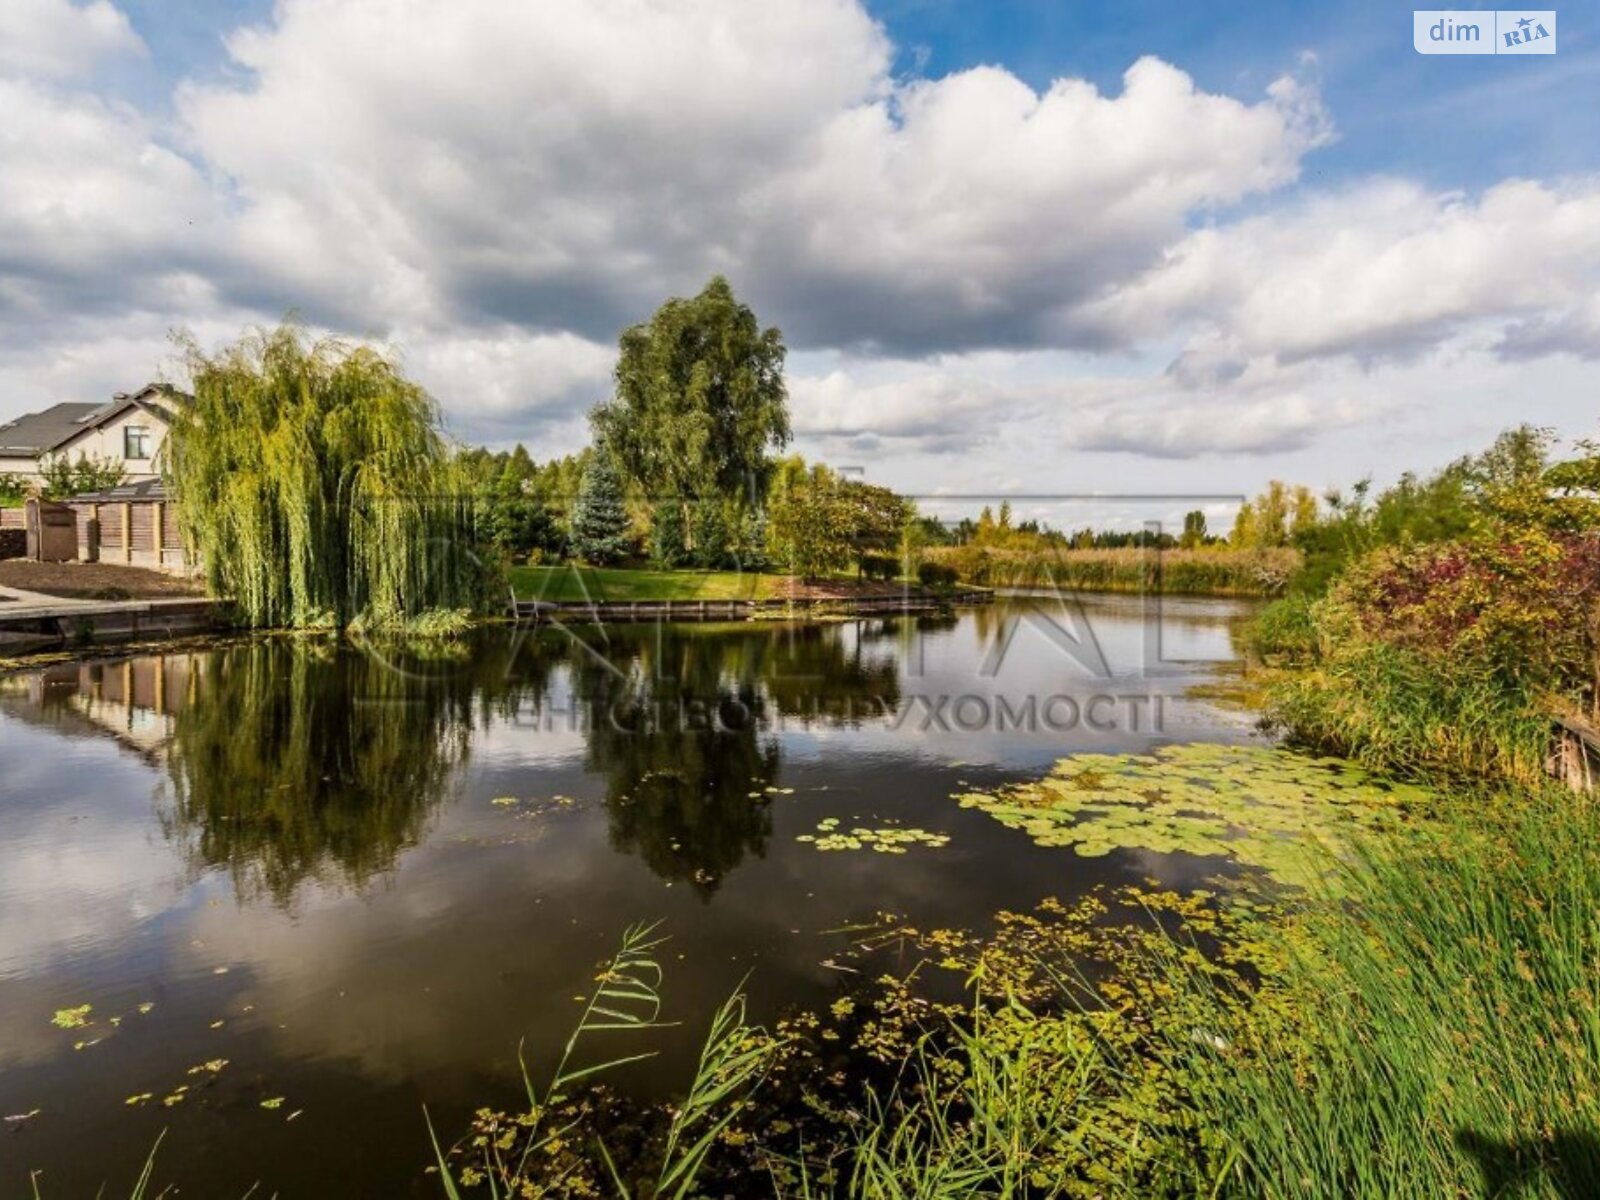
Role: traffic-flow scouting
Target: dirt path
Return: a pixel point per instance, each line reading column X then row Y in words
column 93, row 581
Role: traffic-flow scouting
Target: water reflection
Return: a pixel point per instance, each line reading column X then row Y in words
column 296, row 760
column 292, row 760
column 679, row 722
column 293, row 848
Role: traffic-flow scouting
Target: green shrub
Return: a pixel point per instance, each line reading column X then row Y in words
column 668, row 545
column 1284, row 629
column 1397, row 710
column 1215, row 572
column 879, row 566
column 936, row 575
column 1448, row 657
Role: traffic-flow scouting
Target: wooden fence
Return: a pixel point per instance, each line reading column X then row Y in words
column 138, row 532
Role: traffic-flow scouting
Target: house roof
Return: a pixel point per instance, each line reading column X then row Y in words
column 142, row 492
column 38, row 434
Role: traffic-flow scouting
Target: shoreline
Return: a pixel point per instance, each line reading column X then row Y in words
column 67, row 630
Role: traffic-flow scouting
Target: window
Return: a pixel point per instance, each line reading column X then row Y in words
column 136, row 442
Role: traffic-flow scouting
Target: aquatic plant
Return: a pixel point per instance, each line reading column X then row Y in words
column 141, row 1186
column 892, row 839
column 1262, row 807
column 1435, row 1032
column 542, row 1152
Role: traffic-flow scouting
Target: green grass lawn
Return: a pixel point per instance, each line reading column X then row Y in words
column 575, row 583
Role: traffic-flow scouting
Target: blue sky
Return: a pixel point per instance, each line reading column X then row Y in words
column 1003, row 255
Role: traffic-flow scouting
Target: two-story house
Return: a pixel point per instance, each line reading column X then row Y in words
column 129, row 431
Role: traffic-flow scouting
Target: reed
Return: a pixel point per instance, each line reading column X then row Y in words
column 527, row 1159
column 141, row 1186
column 1398, row 711
column 1218, row 572
column 1437, row 1032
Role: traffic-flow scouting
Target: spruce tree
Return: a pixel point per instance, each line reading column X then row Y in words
column 599, row 520
column 668, row 542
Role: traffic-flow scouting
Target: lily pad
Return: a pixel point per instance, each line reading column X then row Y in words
column 1270, row 809
column 892, row 839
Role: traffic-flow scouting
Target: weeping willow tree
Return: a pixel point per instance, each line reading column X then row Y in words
column 314, row 483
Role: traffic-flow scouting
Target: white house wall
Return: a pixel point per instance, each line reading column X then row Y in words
column 107, row 443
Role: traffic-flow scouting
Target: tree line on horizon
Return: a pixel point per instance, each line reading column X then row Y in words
column 318, row 486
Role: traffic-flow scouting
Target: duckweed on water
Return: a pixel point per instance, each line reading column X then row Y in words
column 1266, row 808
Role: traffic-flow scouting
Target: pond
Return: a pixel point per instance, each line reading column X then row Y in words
column 305, row 888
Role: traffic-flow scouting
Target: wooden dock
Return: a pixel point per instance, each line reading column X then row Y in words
column 33, row 624
column 1575, row 753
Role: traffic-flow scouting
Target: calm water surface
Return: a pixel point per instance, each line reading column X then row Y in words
column 307, row 860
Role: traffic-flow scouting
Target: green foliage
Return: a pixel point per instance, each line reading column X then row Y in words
column 1396, row 709
column 713, row 548
column 1449, row 505
column 751, row 546
column 313, row 483
column 875, row 518
column 1273, row 519
column 994, row 1114
column 599, row 519
column 878, row 566
column 1436, row 1032
column 64, row 478
column 542, row 1152
column 1214, row 572
column 669, row 541
column 700, row 400
column 936, row 575
column 1283, row 629
column 821, row 523
column 1460, row 611
column 810, row 530
column 517, row 514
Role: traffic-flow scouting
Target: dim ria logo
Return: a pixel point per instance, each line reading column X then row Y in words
column 1484, row 31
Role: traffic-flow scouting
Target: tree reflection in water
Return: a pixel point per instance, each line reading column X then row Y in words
column 295, row 760
column 683, row 729
column 292, row 760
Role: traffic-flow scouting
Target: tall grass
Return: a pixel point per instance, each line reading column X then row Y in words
column 1429, row 1026
column 526, row 1161
column 1176, row 572
column 1398, row 711
column 141, row 1186
column 1436, row 1034
column 1433, row 1031
column 990, row 1115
